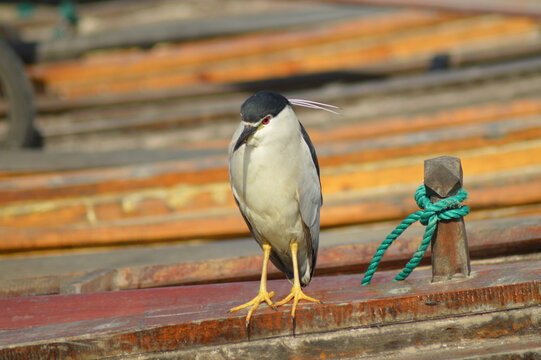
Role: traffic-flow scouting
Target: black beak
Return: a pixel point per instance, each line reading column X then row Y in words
column 245, row 135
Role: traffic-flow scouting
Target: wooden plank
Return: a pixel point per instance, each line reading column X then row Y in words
column 528, row 8
column 164, row 188
column 356, row 55
column 487, row 239
column 481, row 113
column 430, row 340
column 39, row 285
column 145, row 321
column 225, row 221
column 125, row 63
column 214, row 168
column 491, row 112
column 228, row 223
column 149, row 34
column 183, row 115
column 406, row 82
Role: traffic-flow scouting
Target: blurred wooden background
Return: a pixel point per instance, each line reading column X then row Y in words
column 136, row 133
column 137, row 105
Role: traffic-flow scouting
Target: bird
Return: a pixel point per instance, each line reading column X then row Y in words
column 275, row 180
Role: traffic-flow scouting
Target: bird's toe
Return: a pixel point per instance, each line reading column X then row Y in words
column 262, row 296
column 296, row 294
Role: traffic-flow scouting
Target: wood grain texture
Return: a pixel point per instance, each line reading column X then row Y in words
column 144, row 321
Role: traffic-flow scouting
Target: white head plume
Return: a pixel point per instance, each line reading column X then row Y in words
column 314, row 105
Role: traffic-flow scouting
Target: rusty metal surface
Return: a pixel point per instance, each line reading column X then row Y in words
column 140, row 321
column 463, row 337
column 450, row 254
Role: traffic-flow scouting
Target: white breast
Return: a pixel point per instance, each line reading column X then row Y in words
column 265, row 178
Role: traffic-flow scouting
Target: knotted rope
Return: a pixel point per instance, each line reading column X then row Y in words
column 445, row 209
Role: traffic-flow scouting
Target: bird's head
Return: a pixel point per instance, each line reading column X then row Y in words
column 258, row 112
column 269, row 114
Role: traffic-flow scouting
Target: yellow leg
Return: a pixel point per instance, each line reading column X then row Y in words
column 263, row 295
column 296, row 292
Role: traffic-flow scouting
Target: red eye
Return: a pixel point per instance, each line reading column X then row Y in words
column 266, row 120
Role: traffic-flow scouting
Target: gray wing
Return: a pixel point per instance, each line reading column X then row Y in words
column 311, row 147
column 310, row 201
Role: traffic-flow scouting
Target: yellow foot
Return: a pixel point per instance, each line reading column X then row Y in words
column 296, row 294
column 254, row 303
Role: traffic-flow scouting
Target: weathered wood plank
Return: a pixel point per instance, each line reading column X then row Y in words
column 462, row 6
column 487, row 239
column 456, row 338
column 144, row 321
column 208, row 169
column 127, row 63
column 38, row 285
column 405, row 83
column 145, row 35
column 315, row 59
column 357, row 124
column 224, row 221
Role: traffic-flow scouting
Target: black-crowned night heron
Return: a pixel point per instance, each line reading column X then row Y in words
column 274, row 174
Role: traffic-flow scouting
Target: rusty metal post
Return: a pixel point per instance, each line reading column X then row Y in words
column 450, row 254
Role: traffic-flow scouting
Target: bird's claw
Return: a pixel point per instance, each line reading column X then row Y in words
column 263, row 295
column 296, row 294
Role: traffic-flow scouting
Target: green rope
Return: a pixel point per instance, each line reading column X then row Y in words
column 446, row 209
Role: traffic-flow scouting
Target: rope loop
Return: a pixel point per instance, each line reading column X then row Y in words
column 429, row 215
column 444, row 209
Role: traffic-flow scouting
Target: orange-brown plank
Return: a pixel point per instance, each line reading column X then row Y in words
column 125, row 63
column 473, row 114
column 214, row 169
column 228, row 223
column 530, row 9
column 161, row 201
column 319, row 59
column 486, row 239
column 193, row 199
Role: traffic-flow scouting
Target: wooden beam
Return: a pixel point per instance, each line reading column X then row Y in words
column 128, row 63
column 168, row 319
column 209, row 169
column 137, row 34
column 450, row 338
column 31, row 162
column 487, row 239
column 225, row 221
column 359, row 54
column 405, row 83
column 528, row 8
